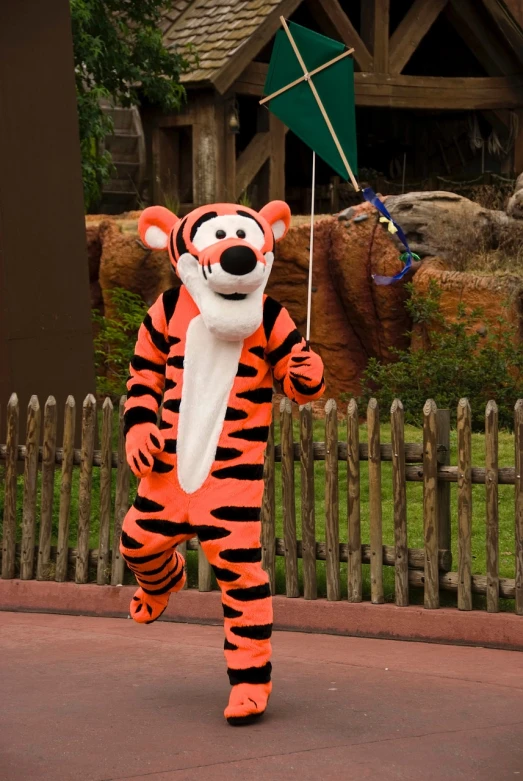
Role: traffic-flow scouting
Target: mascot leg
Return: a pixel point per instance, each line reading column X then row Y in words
column 230, row 538
column 148, row 545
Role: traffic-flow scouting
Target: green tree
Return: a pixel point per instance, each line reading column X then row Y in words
column 119, row 55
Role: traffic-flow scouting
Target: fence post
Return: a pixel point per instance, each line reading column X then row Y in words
column 204, row 571
column 354, row 580
column 289, row 508
column 308, row 526
column 105, row 493
column 66, row 482
column 48, row 470
column 89, row 427
column 11, row 467
column 268, row 512
column 375, row 508
column 518, row 431
column 121, row 502
column 401, row 580
column 430, row 504
column 464, row 506
column 27, row 557
column 444, row 515
column 491, row 483
column 332, row 521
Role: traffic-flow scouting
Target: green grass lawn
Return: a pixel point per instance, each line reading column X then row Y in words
column 414, row 511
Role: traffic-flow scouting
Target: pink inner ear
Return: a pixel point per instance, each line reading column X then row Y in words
column 278, row 215
column 156, row 217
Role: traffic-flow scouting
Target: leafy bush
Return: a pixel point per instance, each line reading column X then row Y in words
column 456, row 360
column 115, row 340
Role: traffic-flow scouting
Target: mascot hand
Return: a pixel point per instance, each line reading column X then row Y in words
column 305, row 367
column 142, row 442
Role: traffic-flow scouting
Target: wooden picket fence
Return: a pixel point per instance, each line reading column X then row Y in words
column 429, row 568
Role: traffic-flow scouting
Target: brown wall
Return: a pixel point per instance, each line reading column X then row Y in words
column 45, row 326
column 516, row 7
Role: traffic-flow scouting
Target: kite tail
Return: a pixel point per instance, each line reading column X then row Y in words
column 408, row 256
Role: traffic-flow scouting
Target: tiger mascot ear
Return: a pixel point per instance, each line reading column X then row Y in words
column 155, row 226
column 278, row 215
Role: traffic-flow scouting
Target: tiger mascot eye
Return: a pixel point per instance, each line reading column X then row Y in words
column 208, row 352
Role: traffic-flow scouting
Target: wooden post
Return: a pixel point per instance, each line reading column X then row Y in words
column 268, row 513
column 332, row 523
column 11, row 471
column 518, row 431
column 401, row 587
column 84, row 494
column 182, row 549
column 204, row 571
column 430, row 504
column 48, row 470
column 121, row 502
column 276, row 159
column 444, row 514
column 375, row 509
column 105, row 493
column 491, row 487
column 381, row 36
column 354, row 579
column 464, row 506
column 308, row 524
column 335, row 194
column 32, row 444
column 289, row 509
column 62, row 553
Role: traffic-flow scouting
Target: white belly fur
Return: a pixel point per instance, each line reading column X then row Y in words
column 209, row 368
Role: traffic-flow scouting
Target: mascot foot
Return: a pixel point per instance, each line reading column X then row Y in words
column 247, row 703
column 146, row 608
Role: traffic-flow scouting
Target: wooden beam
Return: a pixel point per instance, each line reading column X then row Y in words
column 425, row 92
column 251, row 160
column 331, row 17
column 381, row 36
column 470, row 22
column 367, row 24
column 411, row 31
column 518, row 147
column 277, row 132
column 509, row 28
column 228, row 74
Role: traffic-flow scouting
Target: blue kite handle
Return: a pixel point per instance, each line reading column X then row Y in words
column 407, row 257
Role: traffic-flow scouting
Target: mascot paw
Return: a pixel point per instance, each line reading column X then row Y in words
column 247, row 703
column 145, row 608
column 305, row 369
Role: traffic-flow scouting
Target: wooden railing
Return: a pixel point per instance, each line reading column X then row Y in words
column 37, row 542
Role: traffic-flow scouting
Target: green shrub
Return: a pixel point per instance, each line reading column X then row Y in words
column 115, row 340
column 456, row 361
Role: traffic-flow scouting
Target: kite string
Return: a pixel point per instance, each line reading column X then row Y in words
column 311, row 250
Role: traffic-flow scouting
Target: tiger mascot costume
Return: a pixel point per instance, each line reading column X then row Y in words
column 210, row 350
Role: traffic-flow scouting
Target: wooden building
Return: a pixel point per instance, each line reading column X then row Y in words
column 439, row 89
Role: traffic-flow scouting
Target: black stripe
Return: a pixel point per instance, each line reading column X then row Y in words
column 176, row 361
column 227, row 453
column 142, row 559
column 206, row 533
column 271, row 310
column 165, row 424
column 306, row 390
column 167, row 587
column 200, row 221
column 240, row 472
column 144, row 459
column 158, row 580
column 137, row 415
column 236, row 513
column 299, row 358
column 145, row 505
column 258, row 632
column 160, row 467
column 230, row 612
column 258, row 351
column 170, row 299
column 181, row 246
column 140, row 364
column 250, row 593
column 241, row 213
column 225, row 575
column 170, row 385
column 170, row 446
column 229, row 646
column 246, row 371
column 130, row 542
column 250, row 674
column 174, row 340
column 164, row 528
column 235, row 414
column 139, row 390
column 157, row 338
column 158, row 569
column 173, row 405
column 257, row 396
column 285, row 347
column 242, row 555
column 255, row 434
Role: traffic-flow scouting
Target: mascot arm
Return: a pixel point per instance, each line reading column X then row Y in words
column 144, row 391
column 298, row 369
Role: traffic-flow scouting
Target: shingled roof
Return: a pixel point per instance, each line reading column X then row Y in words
column 217, row 29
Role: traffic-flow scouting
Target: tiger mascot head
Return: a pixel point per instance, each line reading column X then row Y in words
column 223, row 254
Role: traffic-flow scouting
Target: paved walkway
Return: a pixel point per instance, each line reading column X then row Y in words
column 95, row 699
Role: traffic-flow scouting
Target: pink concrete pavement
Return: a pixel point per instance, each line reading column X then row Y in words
column 99, row 699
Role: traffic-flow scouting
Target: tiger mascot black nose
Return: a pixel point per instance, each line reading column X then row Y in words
column 238, row 260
